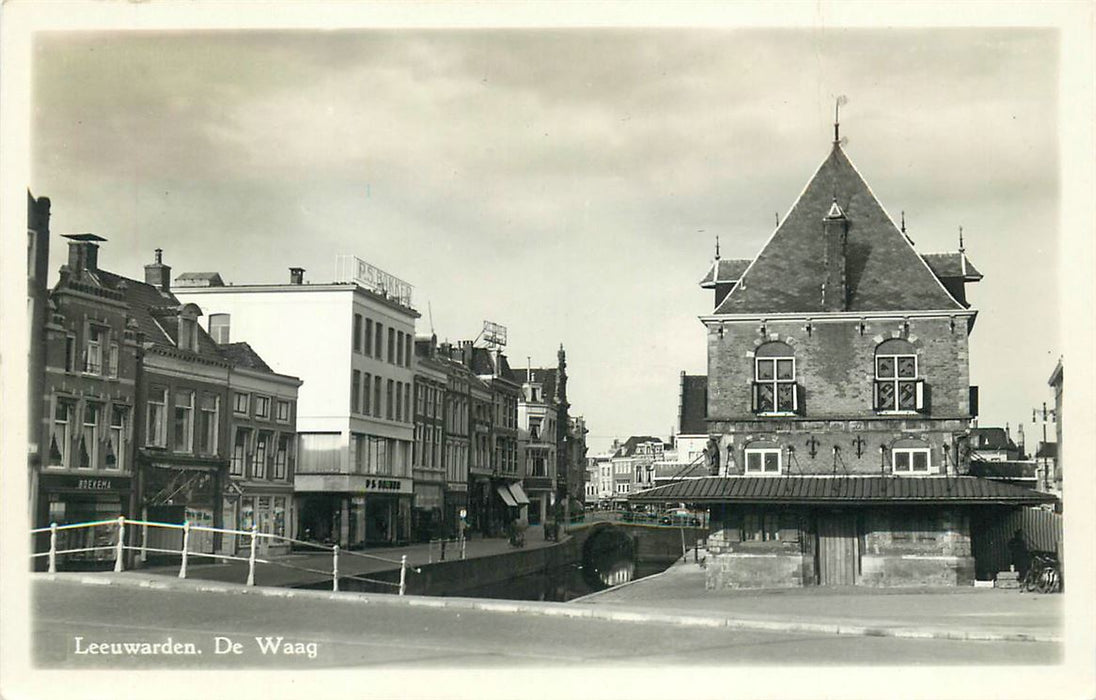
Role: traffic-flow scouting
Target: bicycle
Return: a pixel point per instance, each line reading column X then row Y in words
column 1043, row 574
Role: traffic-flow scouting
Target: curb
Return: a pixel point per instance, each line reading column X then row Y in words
column 565, row 610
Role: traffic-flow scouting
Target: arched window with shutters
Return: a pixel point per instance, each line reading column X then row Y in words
column 899, row 385
column 774, row 387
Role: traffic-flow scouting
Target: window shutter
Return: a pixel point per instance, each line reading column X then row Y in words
column 921, row 403
column 754, row 398
column 875, row 396
column 795, row 398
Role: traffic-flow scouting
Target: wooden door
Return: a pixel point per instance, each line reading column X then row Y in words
column 837, row 549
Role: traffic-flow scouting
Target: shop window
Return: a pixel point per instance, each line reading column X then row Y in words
column 262, row 407
column 247, row 513
column 209, row 412
column 240, row 403
column 184, row 421
column 89, row 437
column 910, row 460
column 774, row 387
column 898, row 385
column 281, row 457
column 279, row 516
column 761, row 526
column 116, row 451
column 258, row 464
column 284, row 412
column 93, row 351
column 239, row 452
column 156, row 433
column 763, row 460
column 60, row 448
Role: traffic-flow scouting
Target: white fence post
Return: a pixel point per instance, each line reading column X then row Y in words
column 120, row 551
column 335, row 568
column 462, row 541
column 144, row 543
column 251, row 557
column 53, row 548
column 186, row 548
column 403, row 574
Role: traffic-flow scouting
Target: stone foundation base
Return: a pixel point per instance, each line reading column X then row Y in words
column 916, row 570
column 738, row 570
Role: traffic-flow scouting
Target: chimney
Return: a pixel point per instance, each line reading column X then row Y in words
column 83, row 252
column 835, row 229
column 296, row 275
column 157, row 274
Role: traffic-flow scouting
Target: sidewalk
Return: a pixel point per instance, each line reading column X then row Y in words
column 957, row 613
column 351, row 562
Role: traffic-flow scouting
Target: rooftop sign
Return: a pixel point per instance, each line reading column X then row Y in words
column 353, row 269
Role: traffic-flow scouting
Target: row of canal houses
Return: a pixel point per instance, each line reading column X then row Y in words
column 144, row 403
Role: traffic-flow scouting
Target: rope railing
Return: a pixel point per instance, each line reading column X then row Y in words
column 119, row 547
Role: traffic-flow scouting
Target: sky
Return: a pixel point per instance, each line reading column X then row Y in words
column 566, row 183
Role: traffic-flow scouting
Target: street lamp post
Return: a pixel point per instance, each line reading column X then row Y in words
column 1044, row 415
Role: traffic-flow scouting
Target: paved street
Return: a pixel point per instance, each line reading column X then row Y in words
column 681, row 590
column 347, row 631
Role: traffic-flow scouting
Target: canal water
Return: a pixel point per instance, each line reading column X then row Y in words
column 566, row 582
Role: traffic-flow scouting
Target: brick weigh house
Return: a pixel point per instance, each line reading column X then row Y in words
column 838, row 395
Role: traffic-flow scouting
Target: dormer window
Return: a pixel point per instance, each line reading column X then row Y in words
column 188, row 327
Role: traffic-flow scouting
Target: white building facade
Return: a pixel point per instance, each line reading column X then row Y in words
column 352, row 344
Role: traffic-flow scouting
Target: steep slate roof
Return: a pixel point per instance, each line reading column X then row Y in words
column 694, row 405
column 243, row 355
column 546, row 377
column 951, row 265
column 1047, row 450
column 990, row 439
column 724, row 271
column 628, row 449
column 825, row 489
column 156, row 313
column 883, row 272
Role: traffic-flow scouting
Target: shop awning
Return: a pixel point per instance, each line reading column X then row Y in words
column 519, row 494
column 842, row 489
column 506, row 496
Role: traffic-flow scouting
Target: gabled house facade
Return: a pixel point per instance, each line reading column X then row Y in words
column 262, row 419
column 537, row 418
column 83, row 465
column 838, row 404
column 429, row 454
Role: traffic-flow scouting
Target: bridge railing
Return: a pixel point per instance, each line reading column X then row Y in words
column 116, row 531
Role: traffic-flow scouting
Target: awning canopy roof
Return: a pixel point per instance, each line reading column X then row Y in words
column 880, row 490
column 519, row 494
column 506, row 496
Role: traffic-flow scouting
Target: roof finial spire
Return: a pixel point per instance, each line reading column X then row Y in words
column 961, row 250
column 841, row 99
column 717, row 247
